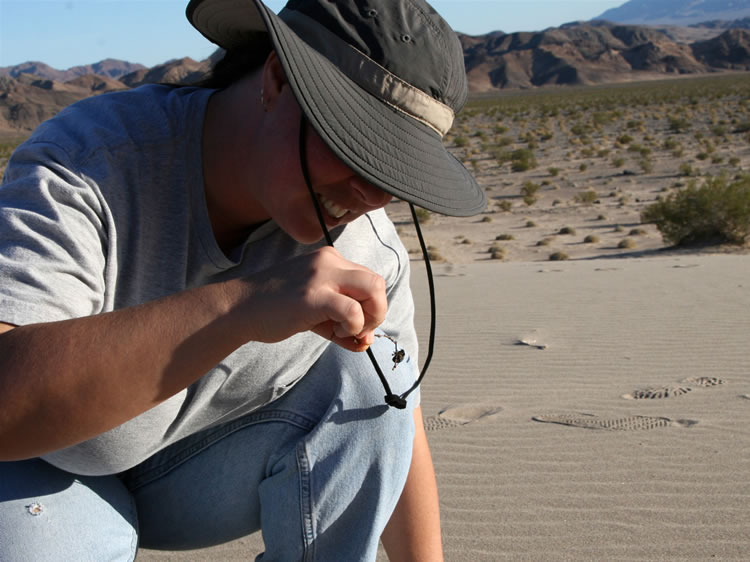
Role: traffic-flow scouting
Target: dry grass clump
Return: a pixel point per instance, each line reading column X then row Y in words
column 586, row 197
column 434, row 254
column 504, row 205
column 496, row 252
column 423, row 215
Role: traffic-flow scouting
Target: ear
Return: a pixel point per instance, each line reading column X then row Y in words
column 274, row 80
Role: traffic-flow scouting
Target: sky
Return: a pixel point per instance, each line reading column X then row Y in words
column 66, row 33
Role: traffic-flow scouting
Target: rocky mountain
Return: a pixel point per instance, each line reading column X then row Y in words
column 111, row 68
column 33, row 91
column 676, row 12
column 593, row 53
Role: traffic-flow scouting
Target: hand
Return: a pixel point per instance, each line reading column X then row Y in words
column 323, row 292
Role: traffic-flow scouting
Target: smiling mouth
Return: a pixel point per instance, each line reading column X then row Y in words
column 334, row 210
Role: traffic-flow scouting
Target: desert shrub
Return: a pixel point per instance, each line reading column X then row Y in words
column 567, row 230
column 734, row 161
column 718, row 211
column 553, row 171
column 583, row 167
column 686, row 169
column 647, row 165
column 586, row 197
column 637, row 232
column 522, row 159
column 558, row 256
column 530, row 224
column 640, row 149
column 627, row 244
column 624, row 139
column 504, row 205
column 505, row 237
column 461, row 141
column 434, row 254
column 529, row 188
column 591, row 239
column 678, row 124
column 529, row 200
column 486, row 218
column 618, row 162
column 702, row 155
column 670, row 143
column 496, row 252
column 423, row 215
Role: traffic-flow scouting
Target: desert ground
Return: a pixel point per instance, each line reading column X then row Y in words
column 589, row 397
column 568, row 171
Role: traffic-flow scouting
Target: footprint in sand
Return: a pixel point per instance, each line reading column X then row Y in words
column 663, row 392
column 624, row 423
column 703, row 381
column 455, row 416
column 673, row 391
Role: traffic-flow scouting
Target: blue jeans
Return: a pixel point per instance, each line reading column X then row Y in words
column 319, row 471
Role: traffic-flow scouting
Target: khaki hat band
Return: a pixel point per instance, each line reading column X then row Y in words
column 369, row 75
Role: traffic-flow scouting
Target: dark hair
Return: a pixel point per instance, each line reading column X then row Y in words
column 237, row 62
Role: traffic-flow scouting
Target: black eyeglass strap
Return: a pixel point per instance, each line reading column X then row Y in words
column 394, row 400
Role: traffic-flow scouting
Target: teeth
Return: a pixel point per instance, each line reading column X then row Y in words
column 333, row 209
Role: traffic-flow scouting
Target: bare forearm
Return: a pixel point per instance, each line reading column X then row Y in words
column 413, row 532
column 64, row 382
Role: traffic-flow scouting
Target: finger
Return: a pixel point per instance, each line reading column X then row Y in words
column 341, row 314
column 326, row 330
column 368, row 289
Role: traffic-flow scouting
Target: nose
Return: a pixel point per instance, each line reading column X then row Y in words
column 369, row 194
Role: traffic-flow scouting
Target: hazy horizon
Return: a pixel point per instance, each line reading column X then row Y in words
column 68, row 33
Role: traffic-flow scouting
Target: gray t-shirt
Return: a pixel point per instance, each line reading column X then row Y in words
column 104, row 208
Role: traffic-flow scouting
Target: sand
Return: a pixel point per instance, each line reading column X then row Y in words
column 586, row 410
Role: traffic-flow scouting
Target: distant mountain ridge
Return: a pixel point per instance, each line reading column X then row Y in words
column 573, row 54
column 676, row 12
column 111, row 68
column 595, row 53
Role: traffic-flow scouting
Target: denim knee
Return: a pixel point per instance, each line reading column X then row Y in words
column 49, row 514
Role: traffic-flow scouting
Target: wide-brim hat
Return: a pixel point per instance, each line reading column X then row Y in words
column 379, row 81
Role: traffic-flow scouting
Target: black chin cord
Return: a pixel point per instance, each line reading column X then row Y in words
column 394, row 400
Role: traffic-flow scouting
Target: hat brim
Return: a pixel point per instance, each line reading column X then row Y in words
column 387, row 148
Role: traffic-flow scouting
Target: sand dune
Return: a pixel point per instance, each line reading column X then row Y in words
column 586, row 410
